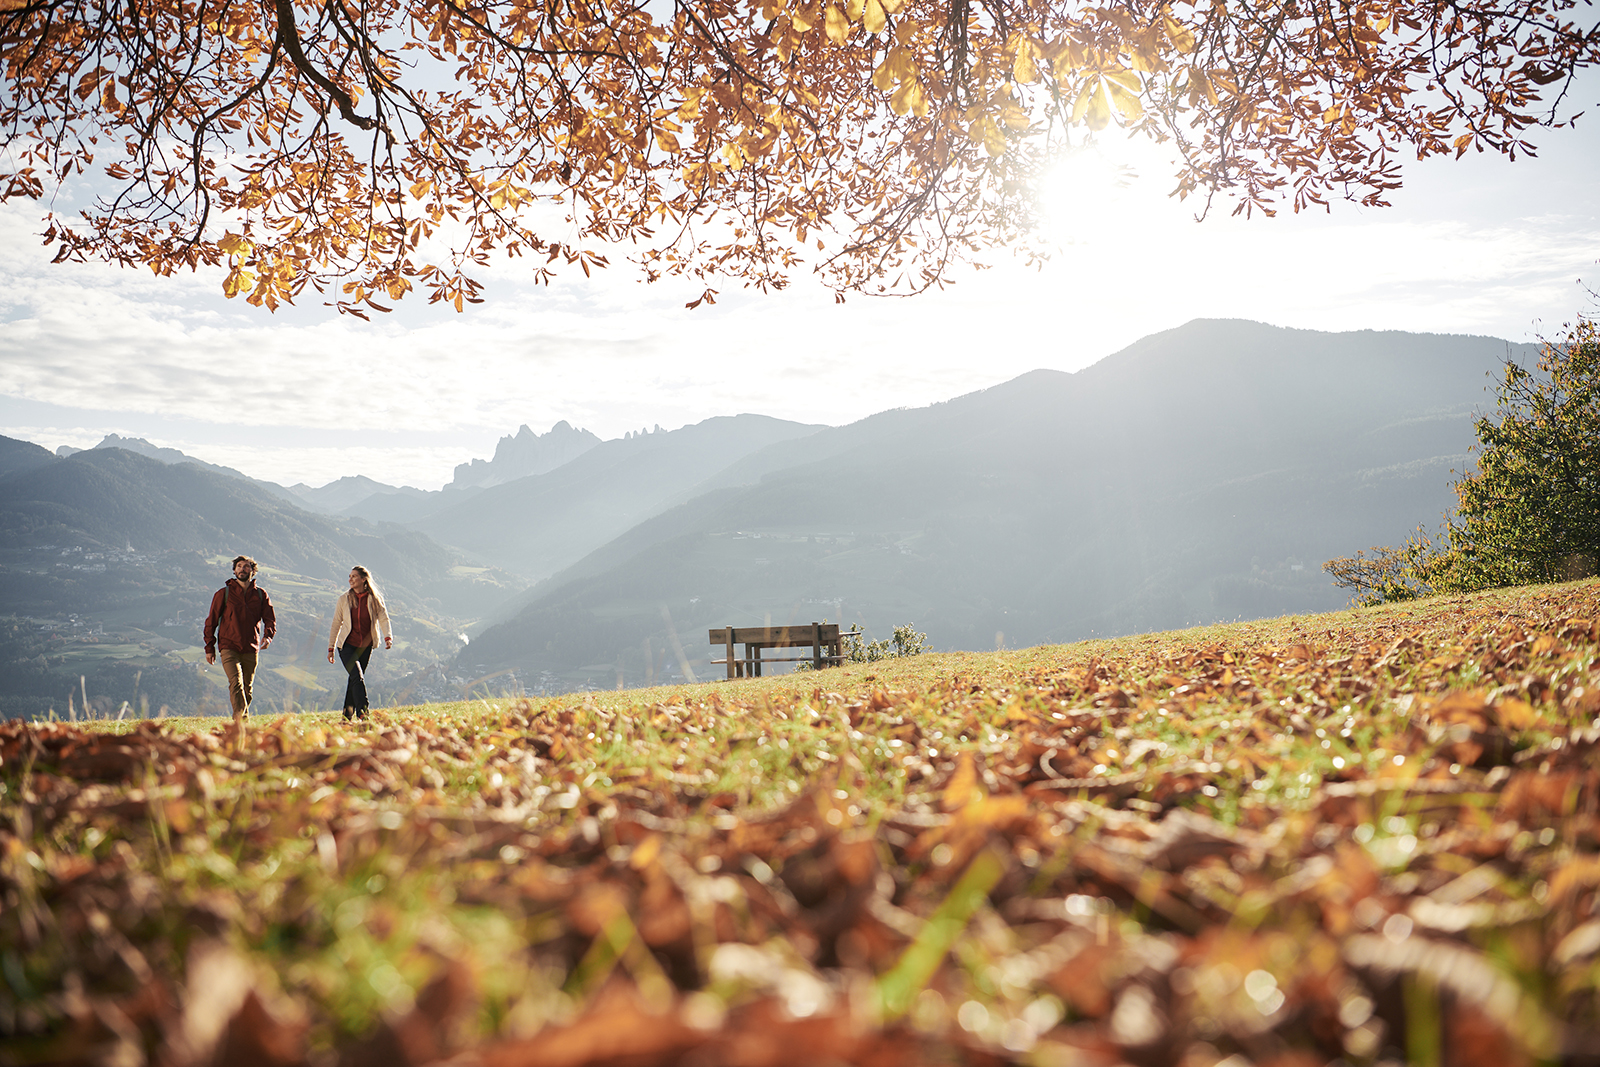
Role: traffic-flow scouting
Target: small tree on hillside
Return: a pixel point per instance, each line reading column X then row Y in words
column 1530, row 512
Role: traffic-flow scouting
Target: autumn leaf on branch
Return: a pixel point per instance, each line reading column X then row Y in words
column 373, row 149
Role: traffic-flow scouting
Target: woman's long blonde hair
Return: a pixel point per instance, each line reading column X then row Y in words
column 372, row 587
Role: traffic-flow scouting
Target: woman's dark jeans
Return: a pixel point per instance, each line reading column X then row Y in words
column 354, row 658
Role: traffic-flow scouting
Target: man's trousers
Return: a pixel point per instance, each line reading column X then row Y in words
column 240, row 669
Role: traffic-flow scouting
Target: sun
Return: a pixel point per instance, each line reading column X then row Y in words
column 1084, row 194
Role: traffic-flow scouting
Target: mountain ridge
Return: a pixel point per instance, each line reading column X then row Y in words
column 1204, row 476
column 537, row 524
column 1199, row 474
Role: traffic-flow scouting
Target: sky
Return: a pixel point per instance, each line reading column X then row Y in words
column 1476, row 246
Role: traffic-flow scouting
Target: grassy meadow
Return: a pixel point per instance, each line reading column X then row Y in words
column 1366, row 837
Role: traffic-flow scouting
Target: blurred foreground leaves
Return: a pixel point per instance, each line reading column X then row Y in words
column 1364, row 836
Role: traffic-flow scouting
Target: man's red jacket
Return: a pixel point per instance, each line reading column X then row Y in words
column 236, row 610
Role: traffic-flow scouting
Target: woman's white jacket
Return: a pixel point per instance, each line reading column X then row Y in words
column 341, row 620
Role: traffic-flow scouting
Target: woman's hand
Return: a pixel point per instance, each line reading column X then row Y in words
column 388, row 642
column 330, row 653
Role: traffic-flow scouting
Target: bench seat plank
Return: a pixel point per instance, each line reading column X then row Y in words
column 825, row 641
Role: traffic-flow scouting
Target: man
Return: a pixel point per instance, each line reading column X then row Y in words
column 237, row 610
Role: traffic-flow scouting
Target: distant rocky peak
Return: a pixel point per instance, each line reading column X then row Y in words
column 631, row 434
column 526, row 452
column 143, row 447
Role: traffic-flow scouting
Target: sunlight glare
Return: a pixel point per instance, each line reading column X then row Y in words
column 1082, row 195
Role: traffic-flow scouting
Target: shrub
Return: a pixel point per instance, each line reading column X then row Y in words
column 904, row 641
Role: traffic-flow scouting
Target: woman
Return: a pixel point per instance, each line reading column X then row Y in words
column 357, row 617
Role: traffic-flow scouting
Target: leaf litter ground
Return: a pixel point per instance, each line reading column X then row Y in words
column 1362, row 837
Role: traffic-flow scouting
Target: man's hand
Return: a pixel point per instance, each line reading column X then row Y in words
column 211, row 657
column 265, row 641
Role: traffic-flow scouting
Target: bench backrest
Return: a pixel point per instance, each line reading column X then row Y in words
column 779, row 636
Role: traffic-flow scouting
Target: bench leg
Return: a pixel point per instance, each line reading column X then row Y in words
column 733, row 664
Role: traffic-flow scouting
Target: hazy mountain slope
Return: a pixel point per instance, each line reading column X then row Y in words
column 516, row 456
column 408, row 506
column 22, row 456
column 1206, row 373
column 342, row 495
column 172, row 456
column 116, row 499
column 1203, row 473
column 347, row 493
column 536, row 525
column 161, row 454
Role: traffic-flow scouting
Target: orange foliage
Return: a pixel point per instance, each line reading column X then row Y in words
column 375, row 148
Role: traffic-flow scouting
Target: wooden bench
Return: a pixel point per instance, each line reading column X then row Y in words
column 822, row 639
